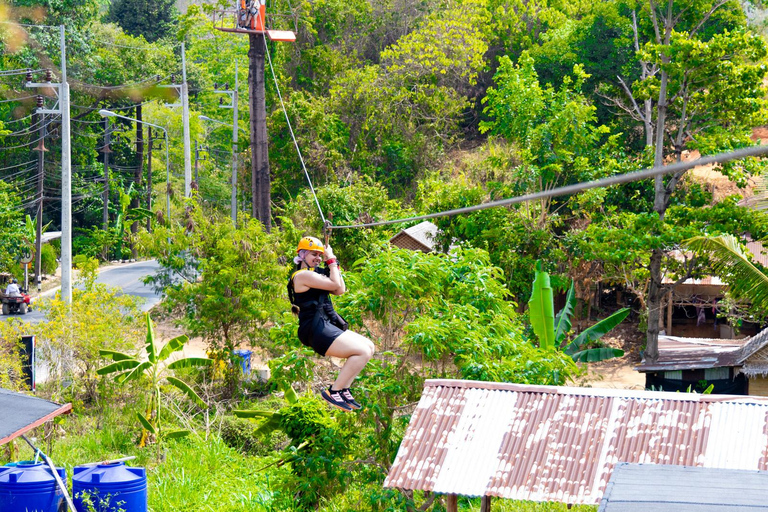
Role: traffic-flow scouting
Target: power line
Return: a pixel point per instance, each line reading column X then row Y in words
column 580, row 187
column 290, row 128
column 17, row 99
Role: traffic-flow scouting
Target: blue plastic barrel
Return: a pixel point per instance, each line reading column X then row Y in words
column 112, row 487
column 245, row 360
column 30, row 486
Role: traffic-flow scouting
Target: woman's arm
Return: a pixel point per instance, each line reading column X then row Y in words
column 334, row 283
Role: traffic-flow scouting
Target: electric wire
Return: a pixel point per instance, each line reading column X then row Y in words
column 16, row 99
column 22, row 145
column 290, row 128
column 18, row 165
column 13, row 72
column 580, row 187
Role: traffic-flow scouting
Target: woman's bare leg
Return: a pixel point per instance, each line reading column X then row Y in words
column 357, row 349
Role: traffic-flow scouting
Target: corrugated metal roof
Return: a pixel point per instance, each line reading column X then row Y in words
column 678, row 353
column 655, row 488
column 424, row 233
column 546, row 443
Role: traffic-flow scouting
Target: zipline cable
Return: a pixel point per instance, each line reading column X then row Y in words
column 290, row 128
column 579, row 187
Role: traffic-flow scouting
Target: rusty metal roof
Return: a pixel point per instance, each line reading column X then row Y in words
column 678, row 353
column 545, row 443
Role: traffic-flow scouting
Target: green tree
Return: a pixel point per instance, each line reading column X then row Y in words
column 700, row 87
column 151, row 20
column 222, row 280
column 11, row 225
column 72, row 335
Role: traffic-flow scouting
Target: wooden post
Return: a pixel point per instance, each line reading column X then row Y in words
column 451, row 503
column 260, row 181
column 485, row 504
column 669, row 313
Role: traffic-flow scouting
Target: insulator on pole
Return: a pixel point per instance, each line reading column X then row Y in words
column 29, row 75
column 40, row 101
column 48, row 75
column 226, row 86
column 221, row 101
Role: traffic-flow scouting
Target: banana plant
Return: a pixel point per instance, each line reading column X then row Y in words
column 553, row 331
column 154, row 364
column 271, row 418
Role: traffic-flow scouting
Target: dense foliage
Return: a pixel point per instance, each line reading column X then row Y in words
column 398, row 109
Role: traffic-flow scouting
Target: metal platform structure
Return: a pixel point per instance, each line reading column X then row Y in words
column 249, row 17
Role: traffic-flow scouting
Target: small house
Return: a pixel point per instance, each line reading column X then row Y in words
column 420, row 237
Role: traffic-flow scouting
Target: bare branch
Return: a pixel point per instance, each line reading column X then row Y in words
column 706, row 17
column 632, row 98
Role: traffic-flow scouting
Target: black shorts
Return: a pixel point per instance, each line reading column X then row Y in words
column 318, row 332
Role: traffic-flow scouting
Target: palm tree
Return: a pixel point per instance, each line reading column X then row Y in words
column 731, row 263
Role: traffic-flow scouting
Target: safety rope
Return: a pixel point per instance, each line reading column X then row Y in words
column 579, row 187
column 290, row 128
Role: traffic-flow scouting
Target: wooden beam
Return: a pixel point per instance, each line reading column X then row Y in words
column 485, row 504
column 451, row 503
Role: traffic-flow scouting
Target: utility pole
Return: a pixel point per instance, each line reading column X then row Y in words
column 185, row 122
column 66, row 181
column 40, row 180
column 251, row 19
column 105, row 192
column 137, row 176
column 260, row 180
column 149, row 177
column 235, row 130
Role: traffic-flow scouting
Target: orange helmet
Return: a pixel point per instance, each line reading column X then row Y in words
column 310, row 243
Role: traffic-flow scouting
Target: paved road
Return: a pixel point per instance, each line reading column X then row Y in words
column 126, row 276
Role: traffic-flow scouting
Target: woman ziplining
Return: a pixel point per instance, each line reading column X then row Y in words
column 320, row 327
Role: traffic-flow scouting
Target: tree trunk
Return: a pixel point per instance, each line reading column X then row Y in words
column 260, row 180
column 656, row 293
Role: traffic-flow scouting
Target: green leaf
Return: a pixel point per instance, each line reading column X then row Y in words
column 172, row 346
column 290, row 394
column 542, row 309
column 176, row 434
column 190, row 362
column 145, row 423
column 133, row 374
column 729, row 261
column 592, row 355
column 115, row 355
column 269, row 425
column 187, row 390
column 119, row 366
column 563, row 318
column 253, row 413
column 596, row 331
column 150, row 347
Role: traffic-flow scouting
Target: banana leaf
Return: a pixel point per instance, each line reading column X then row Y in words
column 146, row 424
column 729, row 261
column 563, row 318
column 187, row 390
column 592, row 355
column 253, row 413
column 176, row 434
column 150, row 347
column 190, row 362
column 596, row 331
column 541, row 309
column 115, row 355
column 172, row 346
column 119, row 366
